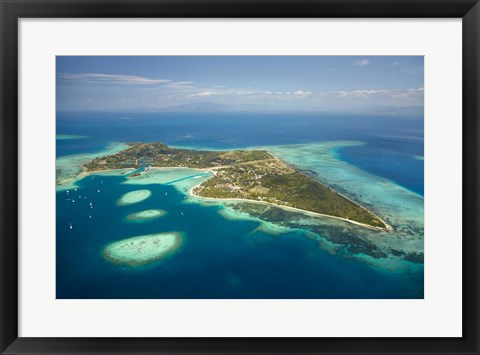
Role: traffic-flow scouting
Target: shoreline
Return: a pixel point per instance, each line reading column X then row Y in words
column 388, row 228
column 310, row 213
column 85, row 173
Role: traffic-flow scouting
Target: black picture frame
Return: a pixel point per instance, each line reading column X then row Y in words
column 12, row 11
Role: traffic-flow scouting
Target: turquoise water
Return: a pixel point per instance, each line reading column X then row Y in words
column 227, row 253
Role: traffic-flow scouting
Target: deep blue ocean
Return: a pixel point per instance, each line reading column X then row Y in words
column 219, row 257
column 392, row 141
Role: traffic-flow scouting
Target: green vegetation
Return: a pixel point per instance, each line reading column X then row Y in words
column 243, row 174
column 160, row 155
column 275, row 182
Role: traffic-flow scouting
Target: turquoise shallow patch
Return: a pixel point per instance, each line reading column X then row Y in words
column 143, row 249
column 145, row 216
column 68, row 136
column 399, row 207
column 69, row 168
column 134, row 197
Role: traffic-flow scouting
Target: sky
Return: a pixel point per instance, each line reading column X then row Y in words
column 344, row 84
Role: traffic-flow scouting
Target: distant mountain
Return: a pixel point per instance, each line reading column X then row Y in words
column 197, row 107
column 207, row 106
column 395, row 111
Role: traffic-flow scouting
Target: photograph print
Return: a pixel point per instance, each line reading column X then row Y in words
column 239, row 177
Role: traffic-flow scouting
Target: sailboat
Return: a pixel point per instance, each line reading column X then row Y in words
column 89, row 215
column 71, row 227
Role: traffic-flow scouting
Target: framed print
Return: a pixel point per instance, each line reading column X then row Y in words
column 259, row 177
column 208, row 182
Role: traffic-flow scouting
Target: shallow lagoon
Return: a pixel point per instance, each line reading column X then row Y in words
column 69, row 167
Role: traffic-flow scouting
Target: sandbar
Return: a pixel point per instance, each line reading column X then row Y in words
column 134, row 197
column 143, row 249
column 146, row 216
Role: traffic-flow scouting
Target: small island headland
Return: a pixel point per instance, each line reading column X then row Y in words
column 254, row 175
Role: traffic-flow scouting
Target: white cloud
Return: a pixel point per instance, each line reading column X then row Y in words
column 362, row 62
column 98, row 78
column 139, row 91
column 180, row 85
column 366, row 93
column 206, row 93
column 301, row 93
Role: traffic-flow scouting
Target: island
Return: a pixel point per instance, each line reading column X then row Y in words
column 252, row 175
